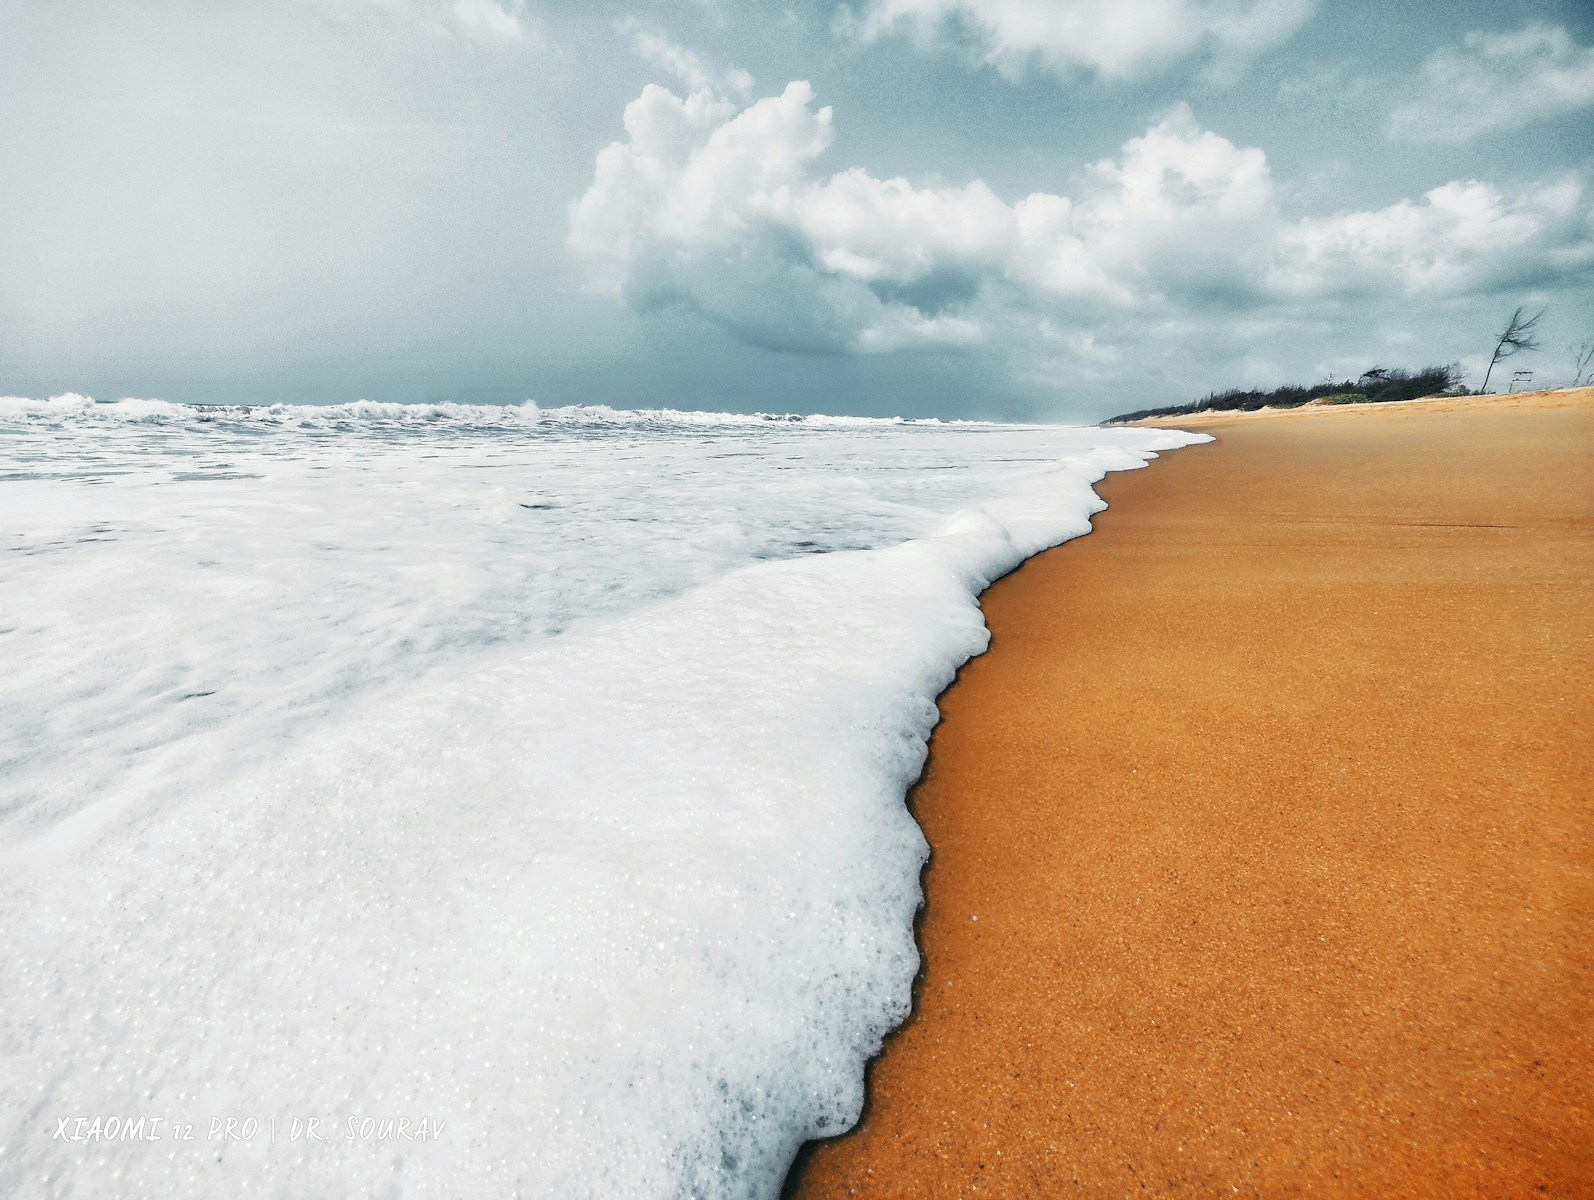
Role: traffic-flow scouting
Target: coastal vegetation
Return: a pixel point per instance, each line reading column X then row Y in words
column 1378, row 385
column 1519, row 336
column 1582, row 364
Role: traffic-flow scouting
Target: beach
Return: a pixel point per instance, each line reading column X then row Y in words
column 1262, row 847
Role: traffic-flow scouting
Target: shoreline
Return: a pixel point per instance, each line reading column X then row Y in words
column 1261, row 845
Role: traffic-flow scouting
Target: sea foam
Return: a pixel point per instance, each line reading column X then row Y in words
column 538, row 773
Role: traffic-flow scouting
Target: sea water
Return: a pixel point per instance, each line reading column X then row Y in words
column 480, row 801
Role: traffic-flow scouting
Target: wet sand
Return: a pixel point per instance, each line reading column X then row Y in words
column 1264, row 835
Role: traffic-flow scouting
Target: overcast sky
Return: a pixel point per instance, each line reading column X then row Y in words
column 1007, row 208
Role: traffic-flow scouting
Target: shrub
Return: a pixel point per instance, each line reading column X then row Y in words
column 1377, row 385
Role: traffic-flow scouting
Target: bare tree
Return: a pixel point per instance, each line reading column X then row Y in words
column 1518, row 336
column 1583, row 364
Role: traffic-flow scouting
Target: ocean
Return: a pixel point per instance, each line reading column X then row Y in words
column 484, row 801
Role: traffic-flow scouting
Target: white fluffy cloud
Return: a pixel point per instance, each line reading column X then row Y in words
column 1115, row 38
column 705, row 205
column 719, row 208
column 1497, row 81
column 1463, row 238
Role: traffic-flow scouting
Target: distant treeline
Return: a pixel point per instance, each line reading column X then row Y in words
column 1377, row 386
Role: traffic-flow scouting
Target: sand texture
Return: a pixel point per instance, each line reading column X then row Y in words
column 1263, row 838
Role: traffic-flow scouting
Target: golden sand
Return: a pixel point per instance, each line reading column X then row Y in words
column 1264, row 835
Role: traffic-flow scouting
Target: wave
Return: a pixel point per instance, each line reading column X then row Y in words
column 72, row 407
column 550, row 794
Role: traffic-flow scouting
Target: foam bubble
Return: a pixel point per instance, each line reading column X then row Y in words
column 544, row 779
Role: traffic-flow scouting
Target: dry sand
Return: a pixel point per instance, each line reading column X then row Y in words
column 1263, row 837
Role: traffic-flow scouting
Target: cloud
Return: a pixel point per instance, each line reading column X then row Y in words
column 488, row 18
column 700, row 208
column 1495, row 81
column 1112, row 38
column 658, row 51
column 482, row 20
column 719, row 209
column 1464, row 238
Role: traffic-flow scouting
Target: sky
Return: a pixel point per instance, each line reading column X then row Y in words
column 1011, row 209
